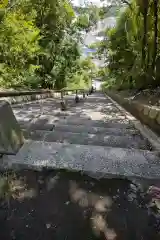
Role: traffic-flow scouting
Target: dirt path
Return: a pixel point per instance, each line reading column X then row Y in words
column 67, row 206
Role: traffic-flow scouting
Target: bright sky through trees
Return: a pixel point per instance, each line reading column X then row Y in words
column 81, row 2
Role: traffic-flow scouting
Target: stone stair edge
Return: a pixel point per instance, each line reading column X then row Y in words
column 98, row 174
column 74, row 133
column 95, row 123
column 94, row 130
column 58, row 144
column 148, row 117
column 85, row 134
column 85, row 158
column 87, row 126
column 99, row 139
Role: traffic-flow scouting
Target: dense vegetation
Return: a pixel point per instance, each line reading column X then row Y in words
column 132, row 48
column 39, row 45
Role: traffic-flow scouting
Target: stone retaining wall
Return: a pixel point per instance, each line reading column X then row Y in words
column 147, row 114
column 28, row 96
column 25, row 96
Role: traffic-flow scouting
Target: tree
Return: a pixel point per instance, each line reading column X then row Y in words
column 19, row 45
column 38, row 42
column 155, row 36
column 131, row 48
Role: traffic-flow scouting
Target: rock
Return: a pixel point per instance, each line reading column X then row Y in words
column 11, row 137
column 63, row 106
column 146, row 110
column 48, row 225
column 139, row 106
column 153, row 113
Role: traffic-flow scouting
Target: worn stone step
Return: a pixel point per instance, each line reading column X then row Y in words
column 104, row 161
column 95, row 123
column 95, row 130
column 89, row 139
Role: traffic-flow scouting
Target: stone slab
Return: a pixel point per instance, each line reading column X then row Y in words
column 88, row 139
column 43, row 122
column 95, row 130
column 104, row 160
column 11, row 136
column 97, row 140
column 37, row 135
column 146, row 110
column 95, row 123
column 138, row 106
column 153, row 113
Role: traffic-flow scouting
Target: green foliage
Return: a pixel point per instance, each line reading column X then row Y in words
column 131, row 49
column 89, row 16
column 84, row 70
column 39, row 45
column 102, row 72
column 19, row 44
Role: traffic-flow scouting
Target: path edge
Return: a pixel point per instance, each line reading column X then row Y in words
column 146, row 132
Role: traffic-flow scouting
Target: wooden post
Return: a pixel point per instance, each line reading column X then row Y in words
column 76, row 97
column 63, row 104
column 61, row 95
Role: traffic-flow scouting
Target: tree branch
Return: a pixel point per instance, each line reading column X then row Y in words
column 126, row 2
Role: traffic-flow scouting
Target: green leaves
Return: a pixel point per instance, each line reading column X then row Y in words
column 131, row 48
column 39, row 44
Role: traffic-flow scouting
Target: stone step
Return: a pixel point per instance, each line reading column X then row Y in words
column 102, row 161
column 88, row 139
column 95, row 130
column 95, row 123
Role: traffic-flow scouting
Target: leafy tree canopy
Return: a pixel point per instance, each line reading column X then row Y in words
column 39, row 44
column 131, row 48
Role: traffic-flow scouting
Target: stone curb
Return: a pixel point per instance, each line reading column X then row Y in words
column 147, row 115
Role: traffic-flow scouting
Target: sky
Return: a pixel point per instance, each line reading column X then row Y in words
column 80, row 2
column 91, row 37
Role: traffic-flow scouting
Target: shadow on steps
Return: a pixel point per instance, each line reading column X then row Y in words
column 65, row 205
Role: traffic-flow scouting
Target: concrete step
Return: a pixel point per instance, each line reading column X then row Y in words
column 99, row 161
column 95, row 130
column 95, row 123
column 89, row 139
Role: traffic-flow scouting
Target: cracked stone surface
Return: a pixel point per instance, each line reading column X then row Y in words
column 88, row 139
column 95, row 130
column 87, row 158
column 92, row 136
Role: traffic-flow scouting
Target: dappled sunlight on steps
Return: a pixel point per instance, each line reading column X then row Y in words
column 88, row 137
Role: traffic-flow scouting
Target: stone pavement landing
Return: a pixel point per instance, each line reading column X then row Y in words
column 92, row 136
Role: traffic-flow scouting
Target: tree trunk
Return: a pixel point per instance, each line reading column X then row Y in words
column 155, row 36
column 144, row 41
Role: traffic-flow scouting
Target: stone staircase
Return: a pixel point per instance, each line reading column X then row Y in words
column 93, row 136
